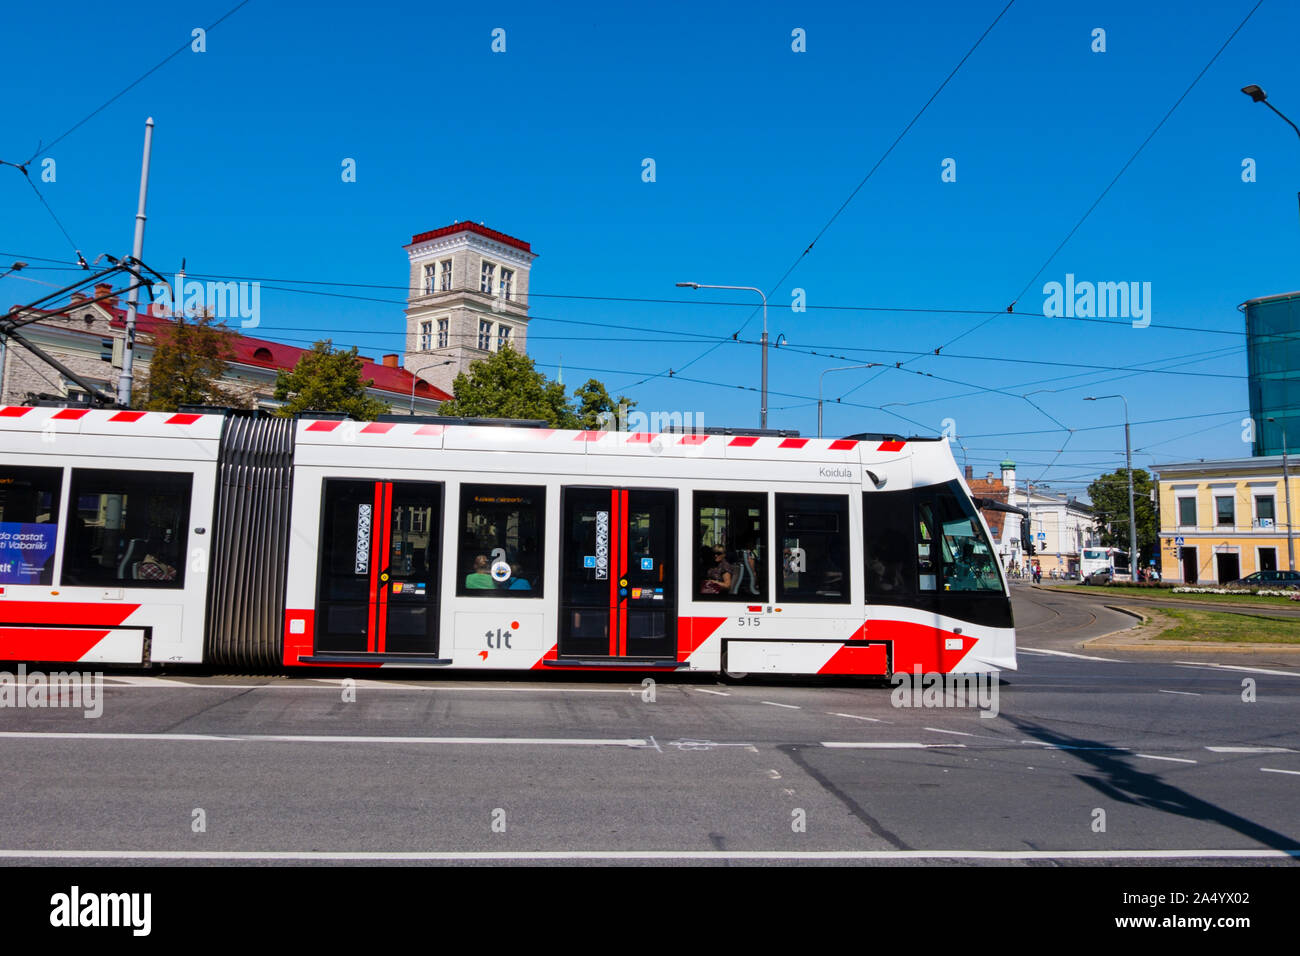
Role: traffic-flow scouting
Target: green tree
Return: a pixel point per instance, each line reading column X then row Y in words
column 327, row 379
column 189, row 357
column 508, row 385
column 597, row 410
column 1109, row 495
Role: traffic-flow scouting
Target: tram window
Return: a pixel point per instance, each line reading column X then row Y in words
column 29, row 524
column 889, row 555
column 502, row 541
column 953, row 550
column 127, row 528
column 813, row 532
column 730, row 548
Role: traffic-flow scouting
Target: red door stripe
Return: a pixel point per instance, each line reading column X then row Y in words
column 622, row 573
column 375, row 519
column 613, row 572
column 384, row 555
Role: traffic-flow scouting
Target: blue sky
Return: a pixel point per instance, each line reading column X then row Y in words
column 755, row 148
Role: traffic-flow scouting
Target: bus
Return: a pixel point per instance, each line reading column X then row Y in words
column 1112, row 563
column 241, row 540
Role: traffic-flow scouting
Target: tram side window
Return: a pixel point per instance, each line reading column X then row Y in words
column 953, row 552
column 813, row 531
column 889, row 549
column 502, row 541
column 127, row 528
column 730, row 553
column 29, row 524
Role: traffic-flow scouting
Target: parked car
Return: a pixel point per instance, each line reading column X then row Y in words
column 1098, row 577
column 1267, row 579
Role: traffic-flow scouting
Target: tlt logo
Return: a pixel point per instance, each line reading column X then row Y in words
column 498, row 639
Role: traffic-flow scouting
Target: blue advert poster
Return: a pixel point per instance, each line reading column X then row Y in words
column 27, row 552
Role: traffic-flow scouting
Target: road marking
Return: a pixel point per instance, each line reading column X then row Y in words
column 772, row 703
column 322, row 739
column 1238, row 667
column 1081, row 657
column 129, row 681
column 862, row 745
column 1172, row 759
column 529, row 855
column 959, row 733
column 874, row 720
column 1295, row 773
column 1184, row 693
column 333, row 686
column 1250, row 750
column 705, row 690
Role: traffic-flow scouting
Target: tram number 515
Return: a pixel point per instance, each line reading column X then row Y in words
column 747, row 621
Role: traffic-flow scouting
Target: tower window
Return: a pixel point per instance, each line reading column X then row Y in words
column 442, row 333
column 487, row 277
column 503, row 336
column 484, row 335
column 507, row 282
column 429, row 275
column 426, row 334
column 444, row 280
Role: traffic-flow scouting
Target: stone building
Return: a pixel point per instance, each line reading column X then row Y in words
column 468, row 298
column 83, row 338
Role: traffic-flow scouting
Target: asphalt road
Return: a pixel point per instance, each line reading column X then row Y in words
column 1088, row 760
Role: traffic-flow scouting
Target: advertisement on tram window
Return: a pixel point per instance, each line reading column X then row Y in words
column 27, row 552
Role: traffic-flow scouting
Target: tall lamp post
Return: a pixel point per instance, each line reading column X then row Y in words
column 415, row 378
column 1286, row 483
column 1128, row 462
column 744, row 288
column 1259, row 96
column 821, row 380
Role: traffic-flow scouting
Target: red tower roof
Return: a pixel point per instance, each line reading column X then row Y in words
column 475, row 228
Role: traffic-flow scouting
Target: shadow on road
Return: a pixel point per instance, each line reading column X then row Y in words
column 1119, row 780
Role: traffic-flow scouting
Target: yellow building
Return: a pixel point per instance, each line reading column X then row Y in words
column 1222, row 520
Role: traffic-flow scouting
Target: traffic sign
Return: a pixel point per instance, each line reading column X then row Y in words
column 1178, row 542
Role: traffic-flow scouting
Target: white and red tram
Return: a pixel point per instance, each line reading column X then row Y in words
column 233, row 540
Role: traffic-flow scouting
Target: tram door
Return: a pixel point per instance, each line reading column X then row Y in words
column 378, row 578
column 618, row 587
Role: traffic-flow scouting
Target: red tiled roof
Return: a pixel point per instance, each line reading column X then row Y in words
column 382, row 377
column 475, row 228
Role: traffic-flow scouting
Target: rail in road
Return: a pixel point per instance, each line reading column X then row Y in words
column 1127, row 596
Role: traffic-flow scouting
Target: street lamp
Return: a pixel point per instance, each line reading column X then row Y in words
column 821, row 380
column 744, row 288
column 1128, row 461
column 415, row 378
column 1286, row 482
column 1258, row 95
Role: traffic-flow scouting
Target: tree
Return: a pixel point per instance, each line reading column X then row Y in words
column 508, row 385
column 1109, row 495
column 327, row 379
column 189, row 358
column 596, row 410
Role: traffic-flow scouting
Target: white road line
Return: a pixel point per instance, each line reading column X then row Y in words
column 772, row 703
column 1081, row 657
column 959, row 733
column 705, row 690
column 1183, row 693
column 322, row 739
column 1295, row 773
column 119, row 680
column 862, row 745
column 874, row 720
column 1171, row 759
column 1250, row 750
column 529, row 855
column 1238, row 667
column 334, row 686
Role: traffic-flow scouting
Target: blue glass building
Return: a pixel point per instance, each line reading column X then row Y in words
column 1273, row 367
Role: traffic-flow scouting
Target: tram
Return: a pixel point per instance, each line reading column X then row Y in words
column 239, row 540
